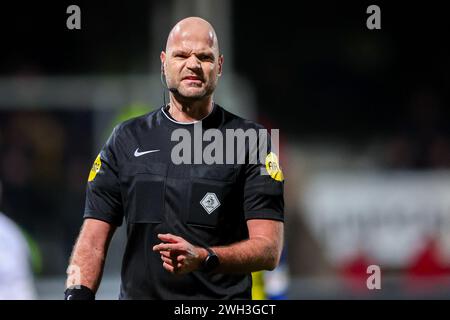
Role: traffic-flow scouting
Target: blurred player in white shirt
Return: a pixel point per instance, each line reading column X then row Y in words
column 16, row 278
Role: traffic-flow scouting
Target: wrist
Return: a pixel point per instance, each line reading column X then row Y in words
column 79, row 292
column 202, row 254
column 210, row 261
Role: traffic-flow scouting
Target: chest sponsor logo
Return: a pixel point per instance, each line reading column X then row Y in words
column 138, row 153
column 210, row 202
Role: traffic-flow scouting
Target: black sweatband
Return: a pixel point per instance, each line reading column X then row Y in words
column 79, row 292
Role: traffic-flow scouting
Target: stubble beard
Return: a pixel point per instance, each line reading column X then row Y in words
column 184, row 96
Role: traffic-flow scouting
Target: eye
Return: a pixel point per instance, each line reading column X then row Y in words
column 180, row 55
column 205, row 57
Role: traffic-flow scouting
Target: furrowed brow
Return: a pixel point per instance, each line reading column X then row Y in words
column 179, row 52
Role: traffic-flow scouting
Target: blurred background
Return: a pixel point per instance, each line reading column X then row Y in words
column 363, row 118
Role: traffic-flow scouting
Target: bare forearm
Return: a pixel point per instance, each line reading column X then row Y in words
column 261, row 251
column 248, row 256
column 86, row 266
column 89, row 254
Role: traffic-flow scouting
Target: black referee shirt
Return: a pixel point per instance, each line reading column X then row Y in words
column 134, row 178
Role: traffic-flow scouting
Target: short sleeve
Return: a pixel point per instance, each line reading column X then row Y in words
column 103, row 196
column 264, row 188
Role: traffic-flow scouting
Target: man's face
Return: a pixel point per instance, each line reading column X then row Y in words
column 192, row 63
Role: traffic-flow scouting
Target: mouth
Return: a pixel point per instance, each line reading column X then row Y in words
column 192, row 78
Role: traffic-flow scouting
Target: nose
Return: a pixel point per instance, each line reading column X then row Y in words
column 193, row 63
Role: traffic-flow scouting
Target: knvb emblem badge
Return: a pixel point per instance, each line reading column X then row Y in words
column 210, row 202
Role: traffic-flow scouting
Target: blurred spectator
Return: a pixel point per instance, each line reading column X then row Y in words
column 40, row 167
column 422, row 139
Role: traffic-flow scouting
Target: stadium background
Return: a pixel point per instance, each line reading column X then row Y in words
column 363, row 116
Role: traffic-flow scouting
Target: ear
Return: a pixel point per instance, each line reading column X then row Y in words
column 162, row 56
column 221, row 59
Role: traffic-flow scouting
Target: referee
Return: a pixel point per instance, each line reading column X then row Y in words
column 194, row 230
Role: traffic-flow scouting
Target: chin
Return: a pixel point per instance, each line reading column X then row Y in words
column 190, row 94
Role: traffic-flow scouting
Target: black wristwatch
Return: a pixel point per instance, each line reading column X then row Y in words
column 211, row 262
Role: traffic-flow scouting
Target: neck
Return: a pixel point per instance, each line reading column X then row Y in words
column 189, row 111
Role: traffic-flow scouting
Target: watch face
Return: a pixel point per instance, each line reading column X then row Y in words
column 211, row 262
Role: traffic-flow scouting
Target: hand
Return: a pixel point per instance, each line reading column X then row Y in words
column 178, row 255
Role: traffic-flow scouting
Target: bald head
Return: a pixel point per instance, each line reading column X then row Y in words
column 193, row 29
column 192, row 63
